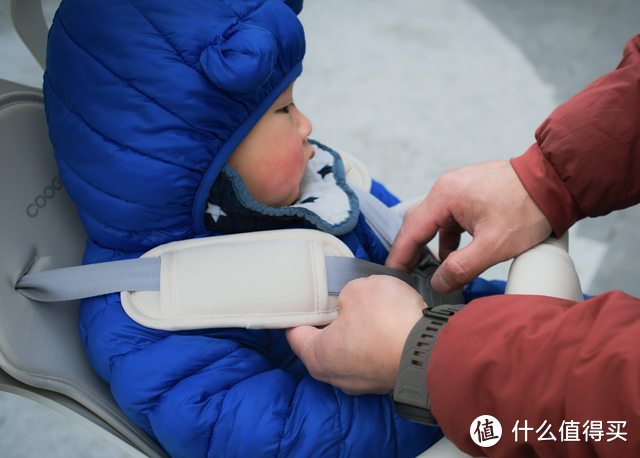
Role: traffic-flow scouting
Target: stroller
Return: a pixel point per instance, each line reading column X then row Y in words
column 41, row 355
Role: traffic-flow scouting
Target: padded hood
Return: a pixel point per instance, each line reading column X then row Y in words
column 147, row 99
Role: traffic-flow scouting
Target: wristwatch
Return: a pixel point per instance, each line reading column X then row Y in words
column 410, row 396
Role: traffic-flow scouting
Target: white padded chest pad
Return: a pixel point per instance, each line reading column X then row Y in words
column 269, row 279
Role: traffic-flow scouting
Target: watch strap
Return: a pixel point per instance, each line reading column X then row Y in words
column 410, row 395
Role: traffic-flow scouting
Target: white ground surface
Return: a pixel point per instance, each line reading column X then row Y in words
column 416, row 88
column 413, row 88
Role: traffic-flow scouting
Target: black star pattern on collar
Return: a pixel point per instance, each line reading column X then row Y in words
column 309, row 200
column 324, row 171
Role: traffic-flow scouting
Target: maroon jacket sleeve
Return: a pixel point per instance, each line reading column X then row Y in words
column 586, row 161
column 536, row 358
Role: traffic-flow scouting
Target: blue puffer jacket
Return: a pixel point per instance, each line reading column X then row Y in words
column 146, row 100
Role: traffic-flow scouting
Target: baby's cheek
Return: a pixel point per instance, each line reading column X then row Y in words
column 284, row 172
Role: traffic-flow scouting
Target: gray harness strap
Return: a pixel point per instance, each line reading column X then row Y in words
column 143, row 274
column 341, row 271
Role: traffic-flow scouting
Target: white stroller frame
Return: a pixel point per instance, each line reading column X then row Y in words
column 41, row 355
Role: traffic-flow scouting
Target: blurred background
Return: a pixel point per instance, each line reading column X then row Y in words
column 414, row 88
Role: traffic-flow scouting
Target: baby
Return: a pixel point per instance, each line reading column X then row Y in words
column 278, row 178
column 174, row 120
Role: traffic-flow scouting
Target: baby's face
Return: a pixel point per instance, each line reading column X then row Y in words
column 273, row 156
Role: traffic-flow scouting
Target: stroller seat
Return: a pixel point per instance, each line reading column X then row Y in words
column 41, row 355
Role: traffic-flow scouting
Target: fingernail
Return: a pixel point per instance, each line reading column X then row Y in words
column 439, row 283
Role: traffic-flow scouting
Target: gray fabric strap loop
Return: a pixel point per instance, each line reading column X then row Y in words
column 381, row 219
column 142, row 274
column 341, row 271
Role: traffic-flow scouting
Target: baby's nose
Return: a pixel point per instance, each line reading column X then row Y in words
column 304, row 126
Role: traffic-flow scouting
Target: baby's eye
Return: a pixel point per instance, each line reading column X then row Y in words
column 285, row 109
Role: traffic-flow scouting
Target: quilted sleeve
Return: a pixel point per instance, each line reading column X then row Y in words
column 586, row 159
column 546, row 361
column 220, row 393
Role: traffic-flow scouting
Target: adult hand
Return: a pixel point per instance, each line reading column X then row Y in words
column 488, row 201
column 360, row 351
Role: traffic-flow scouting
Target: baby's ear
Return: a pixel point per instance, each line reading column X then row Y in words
column 243, row 60
column 295, row 5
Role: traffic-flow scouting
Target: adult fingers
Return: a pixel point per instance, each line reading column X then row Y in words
column 466, row 264
column 419, row 227
column 449, row 240
column 302, row 340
